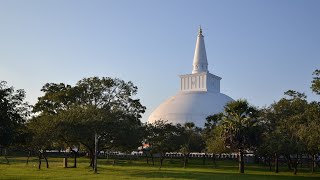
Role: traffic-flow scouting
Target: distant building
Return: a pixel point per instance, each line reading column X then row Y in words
column 199, row 94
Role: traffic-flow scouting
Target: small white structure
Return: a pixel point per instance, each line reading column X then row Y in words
column 199, row 94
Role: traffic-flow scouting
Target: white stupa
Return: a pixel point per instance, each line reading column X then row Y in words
column 199, row 94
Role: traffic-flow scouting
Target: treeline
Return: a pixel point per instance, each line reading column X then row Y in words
column 102, row 114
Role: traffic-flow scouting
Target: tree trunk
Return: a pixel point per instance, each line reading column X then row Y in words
column 276, row 163
column 289, row 162
column 130, row 159
column 45, row 159
column 204, row 159
column 214, row 160
column 269, row 164
column 318, row 164
column 295, row 165
column 185, row 160
column 6, row 159
column 65, row 162
column 28, row 157
column 147, row 158
column 96, row 153
column 295, row 169
column 39, row 156
column 5, row 155
column 114, row 161
column 313, row 163
column 241, row 162
column 91, row 158
column 75, row 159
column 93, row 165
column 91, row 161
column 161, row 160
column 152, row 159
column 257, row 159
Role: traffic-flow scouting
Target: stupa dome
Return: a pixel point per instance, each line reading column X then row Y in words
column 198, row 97
column 190, row 107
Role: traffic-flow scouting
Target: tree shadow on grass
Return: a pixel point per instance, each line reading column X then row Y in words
column 213, row 175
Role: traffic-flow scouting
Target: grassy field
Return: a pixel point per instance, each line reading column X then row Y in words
column 139, row 169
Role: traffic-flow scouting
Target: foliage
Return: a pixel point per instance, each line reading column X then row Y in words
column 191, row 140
column 162, row 137
column 68, row 117
column 315, row 86
column 212, row 134
column 240, row 128
column 215, row 143
column 290, row 114
column 94, row 105
column 283, row 134
column 240, row 125
column 13, row 115
column 309, row 132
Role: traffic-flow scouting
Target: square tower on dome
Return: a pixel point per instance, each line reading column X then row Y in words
column 204, row 81
column 200, row 79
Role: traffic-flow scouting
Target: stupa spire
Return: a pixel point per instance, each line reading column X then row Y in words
column 200, row 63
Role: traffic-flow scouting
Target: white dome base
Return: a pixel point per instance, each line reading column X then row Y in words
column 194, row 106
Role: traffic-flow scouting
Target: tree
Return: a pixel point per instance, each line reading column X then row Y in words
column 191, row 141
column 77, row 126
column 212, row 135
column 272, row 139
column 309, row 132
column 315, row 86
column 162, row 137
column 127, row 135
column 283, row 121
column 291, row 115
column 103, row 106
column 312, row 140
column 241, row 129
column 292, row 127
column 41, row 137
column 13, row 114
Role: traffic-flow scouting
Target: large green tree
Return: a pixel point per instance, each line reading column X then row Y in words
column 191, row 140
column 241, row 128
column 308, row 132
column 104, row 106
column 273, row 142
column 212, row 136
column 41, row 137
column 13, row 114
column 162, row 137
column 283, row 120
column 290, row 113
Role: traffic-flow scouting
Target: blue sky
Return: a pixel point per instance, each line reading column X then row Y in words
column 259, row 48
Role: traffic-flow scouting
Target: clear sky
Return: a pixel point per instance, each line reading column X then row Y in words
column 260, row 48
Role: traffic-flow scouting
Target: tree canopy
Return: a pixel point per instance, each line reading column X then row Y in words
column 13, row 114
column 315, row 86
column 104, row 106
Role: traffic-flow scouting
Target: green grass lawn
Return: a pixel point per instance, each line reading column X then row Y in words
column 139, row 169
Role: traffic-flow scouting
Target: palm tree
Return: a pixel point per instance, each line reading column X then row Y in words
column 240, row 127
